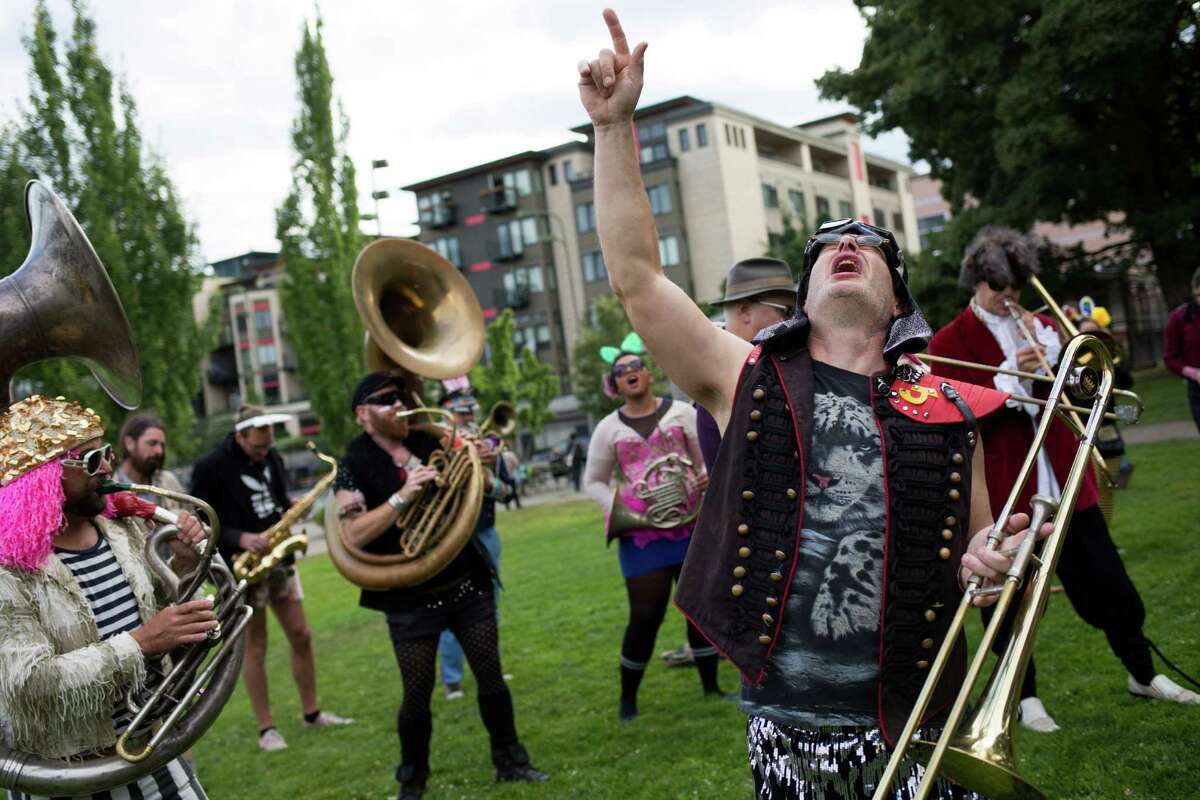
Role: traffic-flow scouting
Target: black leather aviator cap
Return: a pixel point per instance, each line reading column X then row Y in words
column 908, row 332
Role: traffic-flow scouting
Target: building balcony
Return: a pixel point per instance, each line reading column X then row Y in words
column 515, row 298
column 222, row 370
column 443, row 216
column 498, row 200
column 503, row 251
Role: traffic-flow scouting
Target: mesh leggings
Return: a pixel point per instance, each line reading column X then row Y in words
column 648, row 597
column 417, row 657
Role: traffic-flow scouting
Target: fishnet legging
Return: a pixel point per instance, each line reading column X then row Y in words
column 417, row 659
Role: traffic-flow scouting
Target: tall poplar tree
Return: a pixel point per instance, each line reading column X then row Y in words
column 521, row 380
column 80, row 133
column 317, row 226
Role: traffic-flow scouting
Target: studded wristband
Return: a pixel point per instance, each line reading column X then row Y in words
column 397, row 502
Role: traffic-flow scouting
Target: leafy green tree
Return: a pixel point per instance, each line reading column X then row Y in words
column 607, row 326
column 80, row 132
column 789, row 246
column 317, row 226
column 523, row 381
column 1055, row 110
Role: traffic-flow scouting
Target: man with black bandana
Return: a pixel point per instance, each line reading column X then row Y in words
column 384, row 469
column 809, row 553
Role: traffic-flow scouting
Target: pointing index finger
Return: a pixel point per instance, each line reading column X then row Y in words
column 620, row 43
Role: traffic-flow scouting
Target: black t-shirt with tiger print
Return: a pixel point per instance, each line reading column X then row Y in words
column 824, row 668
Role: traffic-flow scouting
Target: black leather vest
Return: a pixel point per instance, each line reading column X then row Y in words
column 738, row 571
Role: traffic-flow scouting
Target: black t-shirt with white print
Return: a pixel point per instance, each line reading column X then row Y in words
column 824, row 668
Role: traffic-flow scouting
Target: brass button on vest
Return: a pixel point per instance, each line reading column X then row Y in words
column 756, row 415
column 954, row 494
column 951, row 521
column 739, row 572
column 737, row 590
column 947, row 534
column 768, row 619
column 772, row 601
column 743, row 529
column 922, row 664
column 955, row 477
column 764, row 639
column 944, row 553
column 751, row 436
column 759, row 394
column 930, row 616
column 791, row 493
column 744, row 552
column 957, row 458
column 747, row 495
column 777, row 576
column 780, row 555
column 927, row 644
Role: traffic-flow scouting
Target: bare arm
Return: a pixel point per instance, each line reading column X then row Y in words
column 361, row 526
column 701, row 359
column 599, row 469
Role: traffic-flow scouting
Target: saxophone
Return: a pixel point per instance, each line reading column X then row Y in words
column 252, row 567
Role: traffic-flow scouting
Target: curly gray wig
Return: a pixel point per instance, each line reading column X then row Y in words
column 999, row 256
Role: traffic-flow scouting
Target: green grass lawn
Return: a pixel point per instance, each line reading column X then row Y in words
column 1164, row 397
column 563, row 613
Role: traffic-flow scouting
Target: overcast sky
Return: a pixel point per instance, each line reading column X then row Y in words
column 431, row 87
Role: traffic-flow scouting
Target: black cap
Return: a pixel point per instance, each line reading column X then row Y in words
column 373, row 383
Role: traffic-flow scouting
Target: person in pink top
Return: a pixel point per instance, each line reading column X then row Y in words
column 623, row 452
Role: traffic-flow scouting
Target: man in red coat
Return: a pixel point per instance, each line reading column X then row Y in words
column 996, row 267
column 1181, row 345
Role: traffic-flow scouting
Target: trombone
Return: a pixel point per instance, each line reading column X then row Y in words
column 978, row 754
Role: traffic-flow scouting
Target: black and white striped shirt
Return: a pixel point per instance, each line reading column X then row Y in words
column 115, row 608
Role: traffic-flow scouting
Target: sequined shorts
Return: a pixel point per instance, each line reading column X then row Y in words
column 828, row 763
column 456, row 608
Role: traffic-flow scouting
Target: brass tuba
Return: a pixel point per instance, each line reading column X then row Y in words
column 60, row 304
column 977, row 752
column 422, row 319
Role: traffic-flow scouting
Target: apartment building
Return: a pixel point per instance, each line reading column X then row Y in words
column 720, row 183
column 253, row 358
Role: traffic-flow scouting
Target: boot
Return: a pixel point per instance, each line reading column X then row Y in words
column 512, row 764
column 412, row 780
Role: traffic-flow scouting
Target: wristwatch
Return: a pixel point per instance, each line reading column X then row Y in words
column 397, row 502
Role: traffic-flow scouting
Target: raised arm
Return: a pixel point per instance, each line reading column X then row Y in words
column 701, row 359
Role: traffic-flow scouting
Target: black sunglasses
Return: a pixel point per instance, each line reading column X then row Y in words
column 92, row 461
column 386, row 399
column 620, row 370
column 996, row 286
column 861, row 239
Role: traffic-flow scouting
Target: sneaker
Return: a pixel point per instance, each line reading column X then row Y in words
column 512, row 764
column 1035, row 717
column 507, row 677
column 1163, row 688
column 454, row 691
column 271, row 740
column 326, row 720
column 681, row 656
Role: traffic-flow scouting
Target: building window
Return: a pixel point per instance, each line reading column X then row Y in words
column 593, row 267
column 668, row 250
column 447, row 248
column 928, row 225
column 529, row 278
column 796, row 201
column 740, row 135
column 701, row 135
column 822, row 210
column 728, row 134
column 844, row 211
column 660, row 198
column 653, row 152
column 262, row 319
column 553, row 170
column 770, row 196
column 585, row 217
column 652, row 132
column 517, row 181
column 685, row 140
column 266, row 354
column 434, row 209
column 270, row 385
column 897, row 221
column 532, row 337
column 653, row 139
column 880, row 218
column 242, row 325
column 568, row 170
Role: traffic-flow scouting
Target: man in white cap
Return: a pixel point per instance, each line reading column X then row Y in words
column 243, row 480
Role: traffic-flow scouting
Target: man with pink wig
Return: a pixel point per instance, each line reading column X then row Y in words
column 80, row 613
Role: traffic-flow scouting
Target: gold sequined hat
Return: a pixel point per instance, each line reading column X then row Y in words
column 38, row 429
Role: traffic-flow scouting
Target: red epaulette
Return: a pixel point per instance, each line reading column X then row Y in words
column 926, row 400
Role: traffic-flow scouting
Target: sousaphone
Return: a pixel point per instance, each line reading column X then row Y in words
column 423, row 321
column 60, row 303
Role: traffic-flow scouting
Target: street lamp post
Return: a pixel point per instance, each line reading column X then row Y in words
column 377, row 194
